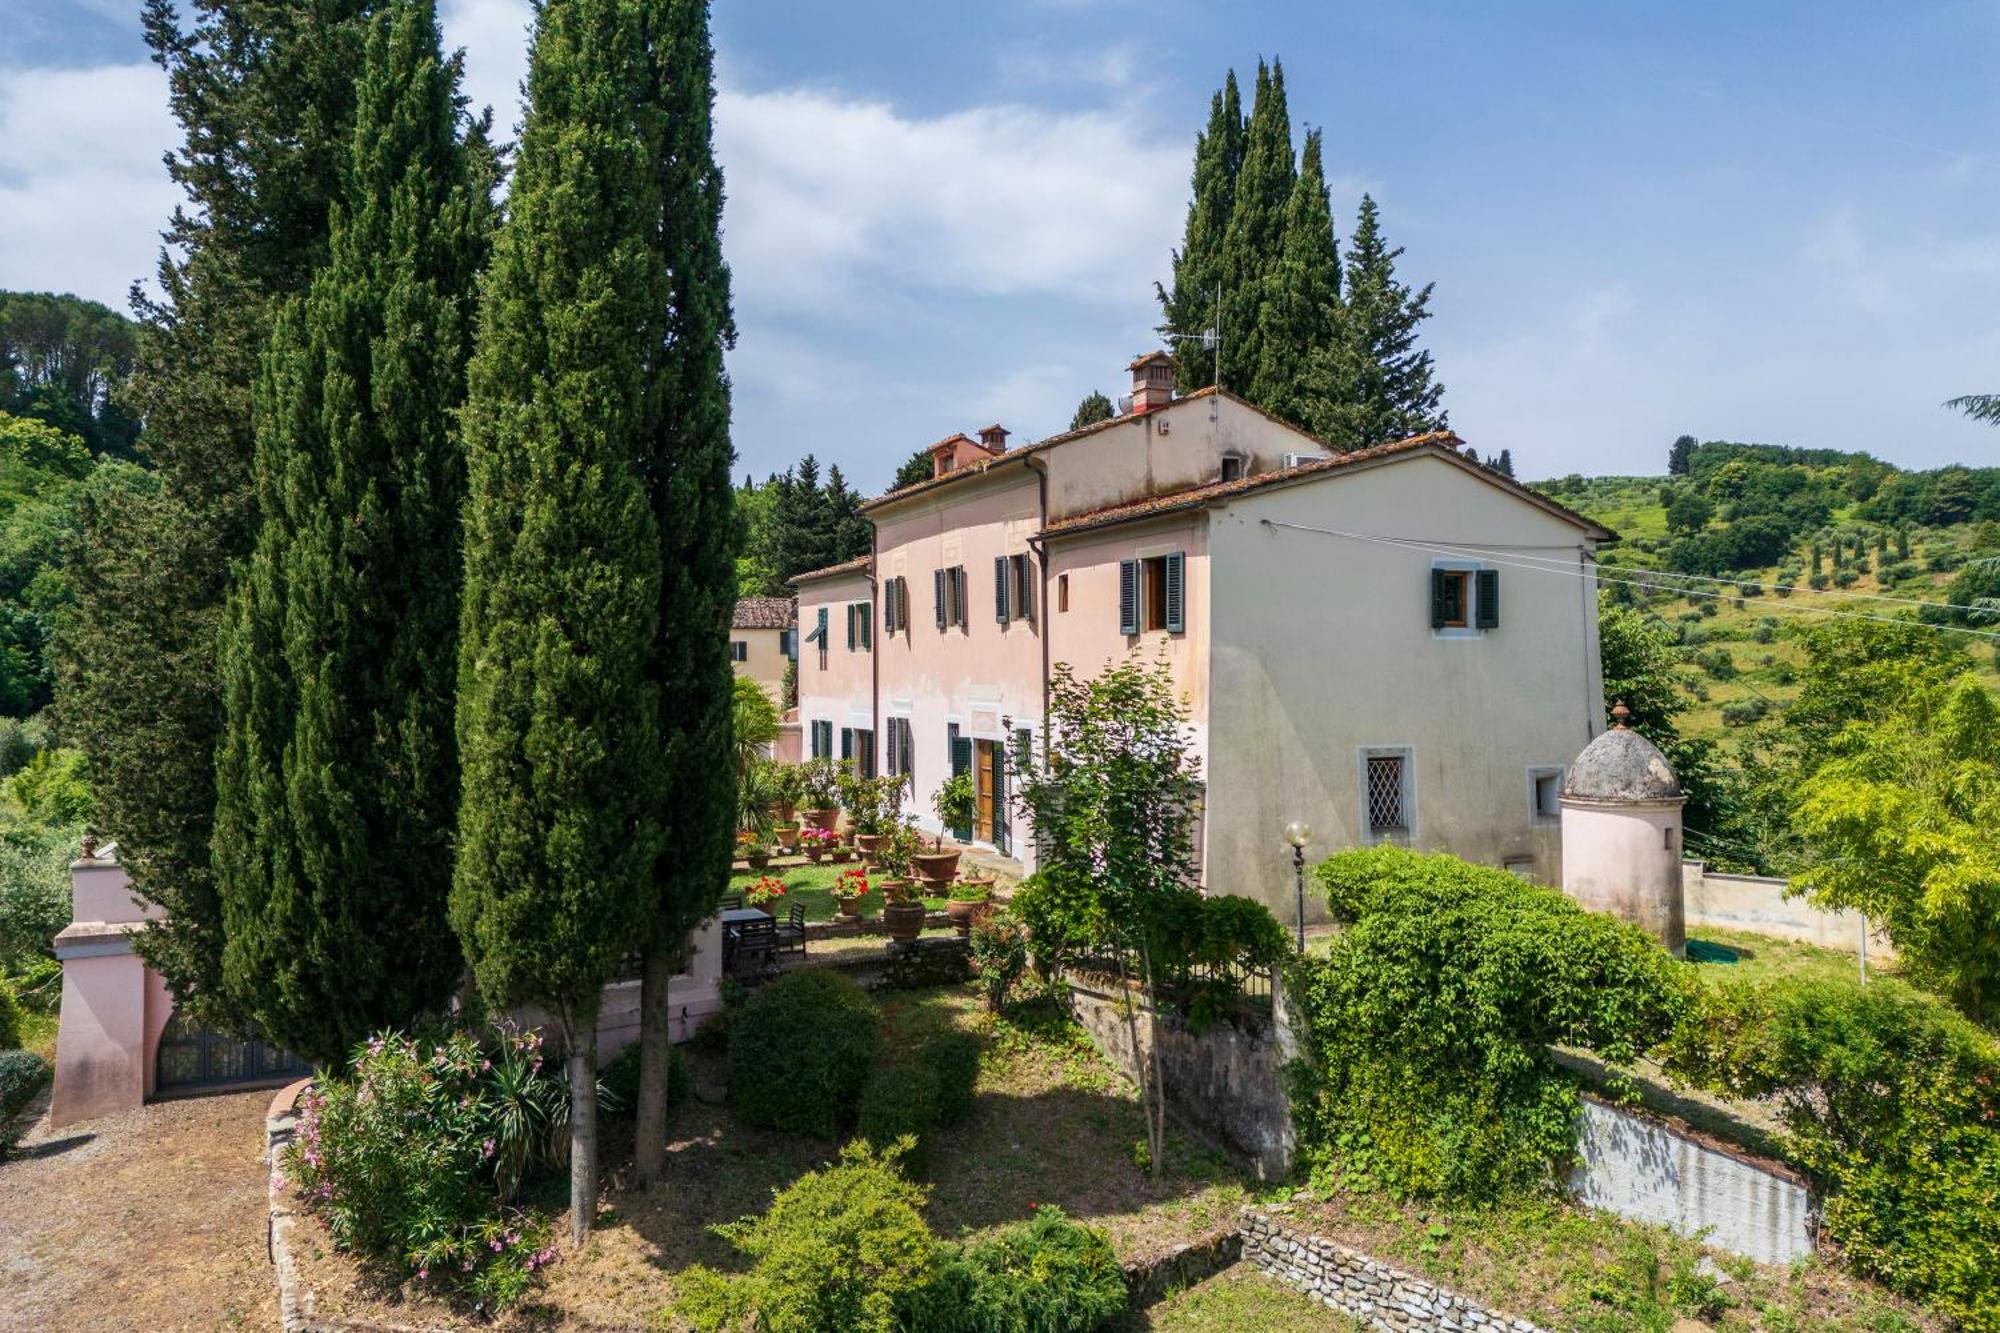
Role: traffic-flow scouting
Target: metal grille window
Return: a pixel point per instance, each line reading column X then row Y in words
column 1385, row 794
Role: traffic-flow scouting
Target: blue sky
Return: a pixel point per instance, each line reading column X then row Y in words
column 1772, row 222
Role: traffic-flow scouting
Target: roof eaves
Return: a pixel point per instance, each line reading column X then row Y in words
column 859, row 565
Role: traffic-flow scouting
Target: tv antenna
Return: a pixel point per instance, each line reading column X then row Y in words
column 1210, row 338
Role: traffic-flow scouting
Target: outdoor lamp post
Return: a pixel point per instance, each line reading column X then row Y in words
column 1299, row 833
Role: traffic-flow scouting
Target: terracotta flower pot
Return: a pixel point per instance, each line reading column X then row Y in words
column 904, row 920
column 963, row 914
column 788, row 837
column 842, row 854
column 866, row 843
column 812, row 851
column 850, row 906
column 937, row 867
column 821, row 819
column 757, row 860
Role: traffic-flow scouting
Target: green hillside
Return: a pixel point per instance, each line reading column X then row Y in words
column 1750, row 541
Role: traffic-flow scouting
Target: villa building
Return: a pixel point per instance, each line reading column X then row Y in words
column 1336, row 623
column 760, row 642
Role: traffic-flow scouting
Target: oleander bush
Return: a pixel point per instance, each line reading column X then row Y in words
column 799, row 1053
column 1891, row 1102
column 1046, row 1275
column 414, row 1156
column 1424, row 1035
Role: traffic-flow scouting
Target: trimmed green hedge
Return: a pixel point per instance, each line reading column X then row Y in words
column 10, row 1017
column 1891, row 1100
column 22, row 1074
column 1424, row 1035
column 799, row 1053
column 1047, row 1275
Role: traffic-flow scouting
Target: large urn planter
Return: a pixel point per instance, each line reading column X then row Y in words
column 821, row 819
column 905, row 920
column 841, row 855
column 788, row 837
column 757, row 860
column 937, row 868
column 866, row 843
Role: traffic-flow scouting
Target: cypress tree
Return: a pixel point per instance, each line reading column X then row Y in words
column 1505, row 465
column 337, row 778
column 1680, row 455
column 263, row 91
column 1190, row 307
column 693, row 507
column 559, row 725
column 1256, row 233
column 1300, row 314
column 1094, row 408
column 1377, row 380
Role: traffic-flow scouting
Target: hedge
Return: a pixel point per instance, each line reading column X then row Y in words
column 10, row 1017
column 1046, row 1275
column 1891, row 1102
column 1424, row 1035
column 799, row 1053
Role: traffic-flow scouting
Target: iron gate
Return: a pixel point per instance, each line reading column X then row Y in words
column 194, row 1056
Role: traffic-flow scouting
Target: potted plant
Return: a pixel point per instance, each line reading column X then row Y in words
column 755, row 854
column 813, row 842
column 849, row 889
column 787, row 785
column 841, row 851
column 903, row 912
column 819, row 793
column 764, row 893
column 969, row 900
column 954, row 804
column 872, row 805
column 787, row 835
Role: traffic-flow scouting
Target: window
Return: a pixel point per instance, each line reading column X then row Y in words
column 895, row 604
column 860, row 626
column 1013, row 596
column 1152, row 594
column 857, row 746
column 787, row 644
column 1545, row 792
column 900, row 754
column 818, row 636
column 949, row 590
column 1062, row 592
column 1522, row 867
column 822, row 739
column 739, row 651
column 1465, row 598
column 1234, row 466
column 1388, row 798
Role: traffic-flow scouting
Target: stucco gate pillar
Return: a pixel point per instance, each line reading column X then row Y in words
column 1621, row 833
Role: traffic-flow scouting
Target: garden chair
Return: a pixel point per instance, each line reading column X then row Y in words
column 791, row 937
column 753, row 948
column 732, row 902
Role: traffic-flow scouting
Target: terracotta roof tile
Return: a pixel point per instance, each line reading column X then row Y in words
column 763, row 613
column 860, row 564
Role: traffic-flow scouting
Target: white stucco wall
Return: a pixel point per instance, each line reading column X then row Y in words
column 764, row 660
column 1626, row 860
column 1171, row 449
column 1322, row 646
column 839, row 691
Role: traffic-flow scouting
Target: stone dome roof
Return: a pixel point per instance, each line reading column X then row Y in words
column 1622, row 766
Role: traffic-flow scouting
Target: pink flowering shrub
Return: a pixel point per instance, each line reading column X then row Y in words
column 412, row 1159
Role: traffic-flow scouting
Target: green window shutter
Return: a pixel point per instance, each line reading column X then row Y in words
column 961, row 613
column 1000, row 588
column 1027, row 588
column 868, row 627
column 1003, row 840
column 889, row 606
column 1128, row 596
column 937, row 577
column 961, row 762
column 846, row 742
column 1441, row 598
column 1488, row 605
column 1176, row 593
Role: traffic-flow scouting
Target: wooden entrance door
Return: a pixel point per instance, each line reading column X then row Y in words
column 982, row 783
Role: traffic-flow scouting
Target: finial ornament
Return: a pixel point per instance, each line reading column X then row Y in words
column 1620, row 714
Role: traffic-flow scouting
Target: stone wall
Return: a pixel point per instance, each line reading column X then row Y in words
column 1757, row 904
column 1649, row 1170
column 1226, row 1082
column 1384, row 1298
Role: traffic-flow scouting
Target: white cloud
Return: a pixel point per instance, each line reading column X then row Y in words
column 82, row 190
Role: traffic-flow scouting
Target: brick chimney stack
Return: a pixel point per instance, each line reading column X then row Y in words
column 1152, row 382
column 993, row 438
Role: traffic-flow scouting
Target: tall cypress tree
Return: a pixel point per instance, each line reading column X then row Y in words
column 1300, row 315
column 263, row 91
column 1190, row 307
column 559, row 724
column 1256, row 227
column 1377, row 379
column 1094, row 408
column 337, row 776
column 693, row 506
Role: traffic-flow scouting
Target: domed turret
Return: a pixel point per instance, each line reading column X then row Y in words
column 1621, row 832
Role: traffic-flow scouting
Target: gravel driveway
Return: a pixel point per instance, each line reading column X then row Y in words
column 150, row 1220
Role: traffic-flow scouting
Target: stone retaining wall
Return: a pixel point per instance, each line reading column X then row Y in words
column 1384, row 1298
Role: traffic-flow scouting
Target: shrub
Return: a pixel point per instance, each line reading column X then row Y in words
column 954, row 1058
column 1047, row 1275
column 1000, row 949
column 1891, row 1102
column 799, row 1052
column 1846, row 577
column 1424, row 1035
column 1743, row 712
column 1765, row 632
column 22, row 1074
column 10, row 1017
column 842, row 1250
column 412, row 1158
column 1819, row 581
column 618, row 1081
column 1718, row 663
column 901, row 1102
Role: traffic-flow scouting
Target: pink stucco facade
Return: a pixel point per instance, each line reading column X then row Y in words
column 114, row 1007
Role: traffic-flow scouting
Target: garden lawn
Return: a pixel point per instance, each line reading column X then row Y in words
column 808, row 886
column 1051, row 1124
column 1243, row 1298
column 1589, row 1272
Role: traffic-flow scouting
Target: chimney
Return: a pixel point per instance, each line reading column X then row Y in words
column 993, row 438
column 1152, row 381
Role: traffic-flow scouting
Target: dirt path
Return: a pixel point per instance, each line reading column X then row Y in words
column 150, row 1220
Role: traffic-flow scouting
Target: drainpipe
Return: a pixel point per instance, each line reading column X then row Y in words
column 875, row 640
column 1039, row 544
